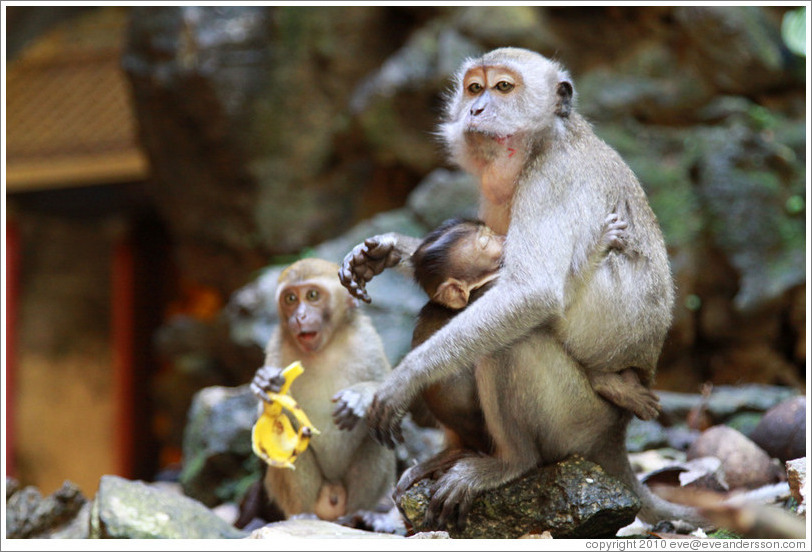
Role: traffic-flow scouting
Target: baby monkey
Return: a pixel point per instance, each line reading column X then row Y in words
column 460, row 260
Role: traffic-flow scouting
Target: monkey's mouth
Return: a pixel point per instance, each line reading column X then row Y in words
column 308, row 339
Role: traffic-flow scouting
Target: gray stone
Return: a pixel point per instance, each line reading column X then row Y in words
column 644, row 435
column 134, row 510
column 442, row 195
column 12, row 486
column 574, row 498
column 724, row 402
column 29, row 515
column 745, row 464
column 219, row 464
column 314, row 529
column 782, row 430
column 798, row 483
column 76, row 528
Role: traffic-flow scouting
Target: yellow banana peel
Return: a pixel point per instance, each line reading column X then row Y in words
column 273, row 437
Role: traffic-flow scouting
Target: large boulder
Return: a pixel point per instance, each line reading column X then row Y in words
column 135, row 510
column 574, row 498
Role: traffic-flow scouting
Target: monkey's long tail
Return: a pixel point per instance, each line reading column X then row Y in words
column 656, row 509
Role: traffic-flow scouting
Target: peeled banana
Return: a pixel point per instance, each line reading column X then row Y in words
column 273, row 437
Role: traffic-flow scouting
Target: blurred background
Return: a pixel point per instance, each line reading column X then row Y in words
column 160, row 159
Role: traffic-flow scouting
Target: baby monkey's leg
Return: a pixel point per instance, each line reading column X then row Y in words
column 626, row 391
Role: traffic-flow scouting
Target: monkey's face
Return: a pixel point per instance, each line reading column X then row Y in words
column 502, row 102
column 306, row 310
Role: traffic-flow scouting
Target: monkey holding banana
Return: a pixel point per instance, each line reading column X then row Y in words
column 342, row 471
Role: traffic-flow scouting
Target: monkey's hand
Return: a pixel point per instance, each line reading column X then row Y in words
column 368, row 259
column 268, row 379
column 614, row 233
column 388, row 408
column 352, row 403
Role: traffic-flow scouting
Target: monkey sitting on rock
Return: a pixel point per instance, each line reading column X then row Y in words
column 455, row 264
column 342, row 471
column 538, row 336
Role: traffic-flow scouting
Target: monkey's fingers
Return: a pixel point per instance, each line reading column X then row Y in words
column 348, row 280
column 344, row 417
column 259, row 392
column 388, row 433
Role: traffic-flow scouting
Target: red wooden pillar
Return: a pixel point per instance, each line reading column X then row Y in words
column 12, row 305
column 123, row 341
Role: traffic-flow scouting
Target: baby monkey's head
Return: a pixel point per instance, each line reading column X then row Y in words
column 458, row 257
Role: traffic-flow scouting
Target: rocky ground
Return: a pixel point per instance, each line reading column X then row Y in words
column 695, row 445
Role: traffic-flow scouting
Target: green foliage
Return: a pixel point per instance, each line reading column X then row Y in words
column 723, row 534
column 793, row 31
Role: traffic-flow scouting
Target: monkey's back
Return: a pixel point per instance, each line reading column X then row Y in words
column 619, row 317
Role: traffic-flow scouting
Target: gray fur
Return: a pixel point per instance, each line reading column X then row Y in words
column 346, row 371
column 536, row 338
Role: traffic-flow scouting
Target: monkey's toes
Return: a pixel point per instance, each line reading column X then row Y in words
column 648, row 408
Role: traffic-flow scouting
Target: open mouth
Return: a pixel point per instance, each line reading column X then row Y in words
column 308, row 338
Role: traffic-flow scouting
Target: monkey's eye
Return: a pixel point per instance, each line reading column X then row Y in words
column 474, row 88
column 312, row 295
column 483, row 240
column 504, row 86
column 290, row 298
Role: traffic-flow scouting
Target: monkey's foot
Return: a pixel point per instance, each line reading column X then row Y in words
column 431, row 468
column 645, row 404
column 639, row 400
column 453, row 495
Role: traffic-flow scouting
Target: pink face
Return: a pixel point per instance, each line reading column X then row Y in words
column 305, row 308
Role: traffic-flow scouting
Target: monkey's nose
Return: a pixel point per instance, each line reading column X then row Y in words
column 477, row 110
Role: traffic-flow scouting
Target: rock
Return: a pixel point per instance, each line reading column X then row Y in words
column 241, row 168
column 430, row 535
column 12, row 486
column 520, row 26
column 219, row 464
column 798, row 483
column 742, row 198
column 745, row 464
column 135, row 510
column 76, row 528
column 737, row 50
column 29, row 515
column 442, row 195
column 314, row 529
column 700, row 473
column 573, row 498
column 644, row 435
column 724, row 401
column 782, row 430
column 745, row 423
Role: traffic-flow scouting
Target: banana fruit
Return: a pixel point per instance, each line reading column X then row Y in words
column 273, row 437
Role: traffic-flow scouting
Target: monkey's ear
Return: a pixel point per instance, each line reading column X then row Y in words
column 452, row 293
column 564, row 104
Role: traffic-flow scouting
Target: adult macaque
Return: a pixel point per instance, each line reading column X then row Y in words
column 342, row 471
column 539, row 333
column 460, row 260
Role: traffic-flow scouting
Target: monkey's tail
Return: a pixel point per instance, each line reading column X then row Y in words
column 656, row 509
